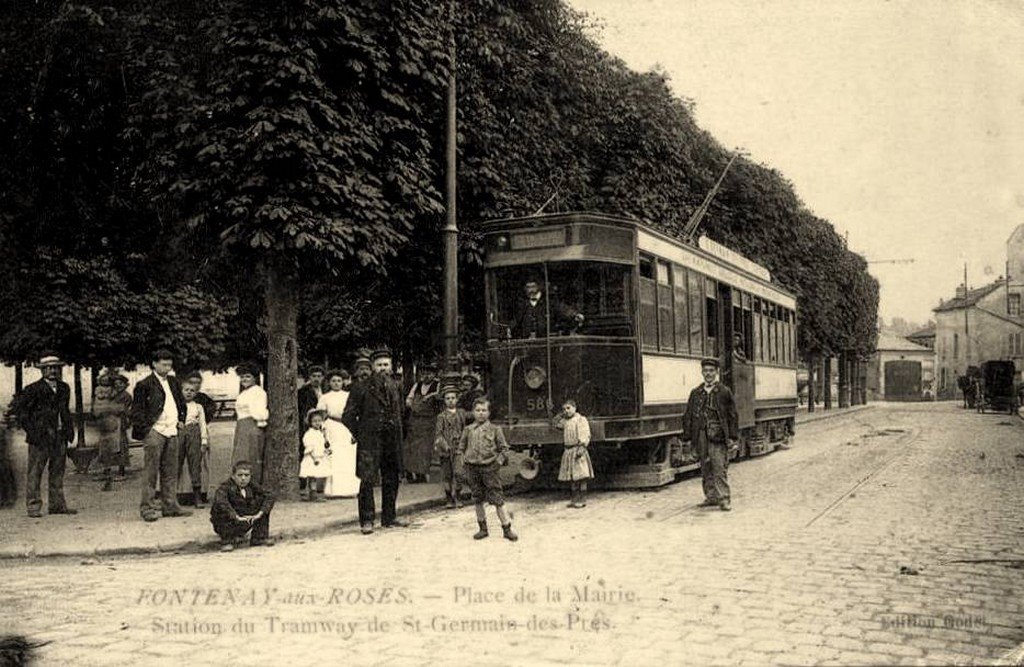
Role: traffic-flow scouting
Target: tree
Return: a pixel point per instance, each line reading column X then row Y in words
column 303, row 152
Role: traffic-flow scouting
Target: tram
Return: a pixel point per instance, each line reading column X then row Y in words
column 617, row 315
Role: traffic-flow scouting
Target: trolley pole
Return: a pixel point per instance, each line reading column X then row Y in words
column 451, row 229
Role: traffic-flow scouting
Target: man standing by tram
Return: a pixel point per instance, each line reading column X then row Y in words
column 711, row 425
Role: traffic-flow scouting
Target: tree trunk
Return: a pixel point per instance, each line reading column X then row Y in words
column 844, row 380
column 19, row 378
column 280, row 464
column 810, row 383
column 826, row 382
column 79, row 406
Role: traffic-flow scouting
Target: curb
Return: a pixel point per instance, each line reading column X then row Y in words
column 203, row 544
column 833, row 413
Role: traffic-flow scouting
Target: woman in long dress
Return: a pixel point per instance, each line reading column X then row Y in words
column 342, row 480
column 252, row 413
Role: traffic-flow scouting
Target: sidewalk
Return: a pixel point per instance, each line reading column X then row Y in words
column 108, row 523
column 804, row 417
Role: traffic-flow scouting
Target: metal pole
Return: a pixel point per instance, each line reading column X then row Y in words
column 451, row 229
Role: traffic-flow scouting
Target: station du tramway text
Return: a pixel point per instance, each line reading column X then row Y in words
column 572, row 619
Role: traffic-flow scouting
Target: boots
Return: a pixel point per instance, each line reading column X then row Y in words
column 482, row 533
column 108, row 480
column 581, row 497
column 197, row 496
column 311, row 493
column 572, row 498
column 450, row 495
column 509, row 533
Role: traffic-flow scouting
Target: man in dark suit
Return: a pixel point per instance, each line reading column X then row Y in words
column 374, row 416
column 532, row 318
column 157, row 413
column 711, row 425
column 44, row 414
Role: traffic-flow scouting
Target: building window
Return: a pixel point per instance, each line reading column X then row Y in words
column 1013, row 305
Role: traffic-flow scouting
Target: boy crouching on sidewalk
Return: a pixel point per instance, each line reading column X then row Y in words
column 484, row 449
column 240, row 506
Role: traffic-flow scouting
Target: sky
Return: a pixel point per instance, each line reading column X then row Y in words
column 902, row 123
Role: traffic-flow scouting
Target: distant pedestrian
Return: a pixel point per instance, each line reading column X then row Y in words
column 194, row 448
column 8, row 482
column 316, row 464
column 484, row 451
column 710, row 424
column 373, row 415
column 43, row 411
column 576, row 466
column 252, row 415
column 157, row 413
column 109, row 413
column 341, row 474
column 422, row 406
column 122, row 396
column 447, row 432
column 240, row 507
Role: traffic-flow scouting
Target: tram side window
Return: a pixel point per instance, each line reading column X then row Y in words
column 748, row 328
column 666, row 321
column 648, row 304
column 773, row 335
column 758, row 331
column 681, row 303
column 711, row 318
column 696, row 288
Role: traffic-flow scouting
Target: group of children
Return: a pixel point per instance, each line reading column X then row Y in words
column 473, row 453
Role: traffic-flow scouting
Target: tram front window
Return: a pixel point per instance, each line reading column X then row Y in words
column 583, row 298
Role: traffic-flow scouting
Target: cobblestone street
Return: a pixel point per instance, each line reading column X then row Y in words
column 892, row 535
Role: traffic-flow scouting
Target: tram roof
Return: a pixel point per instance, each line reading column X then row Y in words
column 705, row 246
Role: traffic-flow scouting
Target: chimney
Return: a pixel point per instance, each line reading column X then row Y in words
column 961, row 291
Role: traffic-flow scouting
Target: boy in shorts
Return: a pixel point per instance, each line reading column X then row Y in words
column 484, row 450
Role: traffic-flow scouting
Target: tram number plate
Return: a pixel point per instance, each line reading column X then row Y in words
column 536, row 404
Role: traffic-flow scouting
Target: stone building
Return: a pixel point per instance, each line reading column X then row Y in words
column 982, row 324
column 900, row 370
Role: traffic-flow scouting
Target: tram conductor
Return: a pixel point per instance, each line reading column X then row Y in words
column 532, row 314
column 710, row 424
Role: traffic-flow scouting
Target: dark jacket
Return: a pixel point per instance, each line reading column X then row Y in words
column 208, row 405
column 148, row 403
column 693, row 421
column 45, row 415
column 228, row 503
column 374, row 416
column 308, row 400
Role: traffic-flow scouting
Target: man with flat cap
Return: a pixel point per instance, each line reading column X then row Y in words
column 43, row 411
column 373, row 414
column 710, row 424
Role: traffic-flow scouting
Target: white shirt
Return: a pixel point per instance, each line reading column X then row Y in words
column 253, row 403
column 167, row 423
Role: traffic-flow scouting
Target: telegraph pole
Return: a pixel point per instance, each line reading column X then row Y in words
column 451, row 229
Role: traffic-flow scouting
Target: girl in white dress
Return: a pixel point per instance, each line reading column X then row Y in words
column 342, row 480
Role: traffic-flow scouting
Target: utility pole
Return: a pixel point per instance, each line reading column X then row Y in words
column 451, row 229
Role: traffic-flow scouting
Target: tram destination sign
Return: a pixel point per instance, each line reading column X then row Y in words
column 539, row 239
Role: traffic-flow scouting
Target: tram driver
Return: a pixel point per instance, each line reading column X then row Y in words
column 532, row 315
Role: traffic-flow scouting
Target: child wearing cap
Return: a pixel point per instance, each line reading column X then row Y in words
column 315, row 466
column 484, row 450
column 576, row 466
column 241, row 508
column 447, row 432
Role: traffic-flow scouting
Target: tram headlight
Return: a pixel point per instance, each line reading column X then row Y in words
column 501, row 242
column 535, row 377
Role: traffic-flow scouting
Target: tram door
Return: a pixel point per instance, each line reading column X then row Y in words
column 738, row 373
